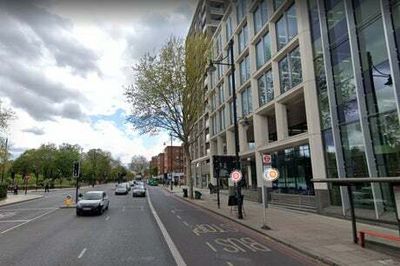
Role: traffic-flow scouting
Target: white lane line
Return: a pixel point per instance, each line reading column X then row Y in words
column 229, row 263
column 82, row 253
column 174, row 251
column 185, row 223
column 173, row 211
column 37, row 217
column 14, row 221
column 178, row 217
column 210, row 246
column 107, row 218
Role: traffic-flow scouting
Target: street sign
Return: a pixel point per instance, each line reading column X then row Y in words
column 236, row 176
column 267, row 158
column 271, row 174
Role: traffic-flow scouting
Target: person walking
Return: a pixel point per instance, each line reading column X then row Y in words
column 46, row 188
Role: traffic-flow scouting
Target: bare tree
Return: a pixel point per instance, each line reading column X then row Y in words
column 138, row 164
column 168, row 92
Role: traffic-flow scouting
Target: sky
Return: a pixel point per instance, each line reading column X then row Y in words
column 64, row 65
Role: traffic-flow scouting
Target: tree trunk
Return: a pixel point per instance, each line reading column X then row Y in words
column 188, row 161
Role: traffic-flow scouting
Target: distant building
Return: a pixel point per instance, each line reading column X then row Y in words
column 173, row 161
column 160, row 165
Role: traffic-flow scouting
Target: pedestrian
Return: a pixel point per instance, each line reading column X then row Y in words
column 46, row 188
column 16, row 189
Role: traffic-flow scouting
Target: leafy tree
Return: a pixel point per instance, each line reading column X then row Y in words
column 5, row 116
column 138, row 164
column 168, row 91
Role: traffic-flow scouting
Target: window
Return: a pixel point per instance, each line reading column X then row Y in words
column 221, row 116
column 230, row 84
column 353, row 150
column 244, row 70
column 221, row 96
column 243, row 38
column 231, row 117
column 286, row 27
column 247, row 105
column 228, row 28
column 290, row 70
column 260, row 16
column 336, row 21
column 342, row 68
column 265, row 88
column 263, row 51
column 278, row 3
column 241, row 6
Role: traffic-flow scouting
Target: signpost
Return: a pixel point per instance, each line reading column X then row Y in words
column 270, row 175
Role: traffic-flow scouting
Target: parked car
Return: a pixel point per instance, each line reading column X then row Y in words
column 139, row 190
column 92, row 202
column 121, row 189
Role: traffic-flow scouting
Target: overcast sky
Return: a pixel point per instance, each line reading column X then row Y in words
column 64, row 62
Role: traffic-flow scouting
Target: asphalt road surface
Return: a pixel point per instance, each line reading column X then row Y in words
column 160, row 229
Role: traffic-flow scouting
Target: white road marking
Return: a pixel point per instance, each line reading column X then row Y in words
column 210, row 246
column 37, row 217
column 185, row 223
column 178, row 217
column 229, row 263
column 172, row 211
column 174, row 251
column 14, row 221
column 82, row 253
column 123, row 208
column 107, row 218
column 30, row 209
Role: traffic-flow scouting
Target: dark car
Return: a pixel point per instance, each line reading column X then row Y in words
column 92, row 202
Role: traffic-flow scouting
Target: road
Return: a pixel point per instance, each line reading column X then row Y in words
column 160, row 229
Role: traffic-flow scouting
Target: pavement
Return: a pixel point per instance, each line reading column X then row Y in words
column 159, row 229
column 325, row 238
column 21, row 197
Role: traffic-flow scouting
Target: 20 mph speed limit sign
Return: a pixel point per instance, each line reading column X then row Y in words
column 236, row 176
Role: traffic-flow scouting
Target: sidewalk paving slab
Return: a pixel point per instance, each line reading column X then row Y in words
column 328, row 239
column 13, row 199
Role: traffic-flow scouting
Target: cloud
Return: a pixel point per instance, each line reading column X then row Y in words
column 53, row 31
column 35, row 131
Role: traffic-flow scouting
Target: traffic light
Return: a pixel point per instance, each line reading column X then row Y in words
column 76, row 169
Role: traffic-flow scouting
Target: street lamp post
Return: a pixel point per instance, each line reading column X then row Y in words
column 235, row 122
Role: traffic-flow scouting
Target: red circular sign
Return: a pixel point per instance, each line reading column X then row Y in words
column 236, row 176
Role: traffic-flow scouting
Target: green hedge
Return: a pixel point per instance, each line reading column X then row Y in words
column 3, row 191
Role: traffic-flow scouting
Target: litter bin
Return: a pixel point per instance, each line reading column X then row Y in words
column 185, row 192
column 197, row 194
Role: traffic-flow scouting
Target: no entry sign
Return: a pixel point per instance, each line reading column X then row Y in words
column 236, row 176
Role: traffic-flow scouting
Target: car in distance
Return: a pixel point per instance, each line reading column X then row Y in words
column 139, row 190
column 92, row 202
column 121, row 189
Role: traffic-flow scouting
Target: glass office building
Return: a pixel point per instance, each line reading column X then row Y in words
column 317, row 86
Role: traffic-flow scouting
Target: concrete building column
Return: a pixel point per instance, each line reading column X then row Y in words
column 281, row 121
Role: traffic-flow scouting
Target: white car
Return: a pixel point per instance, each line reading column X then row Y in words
column 92, row 202
column 139, row 190
column 121, row 189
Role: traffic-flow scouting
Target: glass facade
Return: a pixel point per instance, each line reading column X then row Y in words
column 247, row 101
column 263, row 50
column 265, row 88
column 294, row 165
column 290, row 70
column 260, row 16
column 286, row 27
column 244, row 70
column 243, row 39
